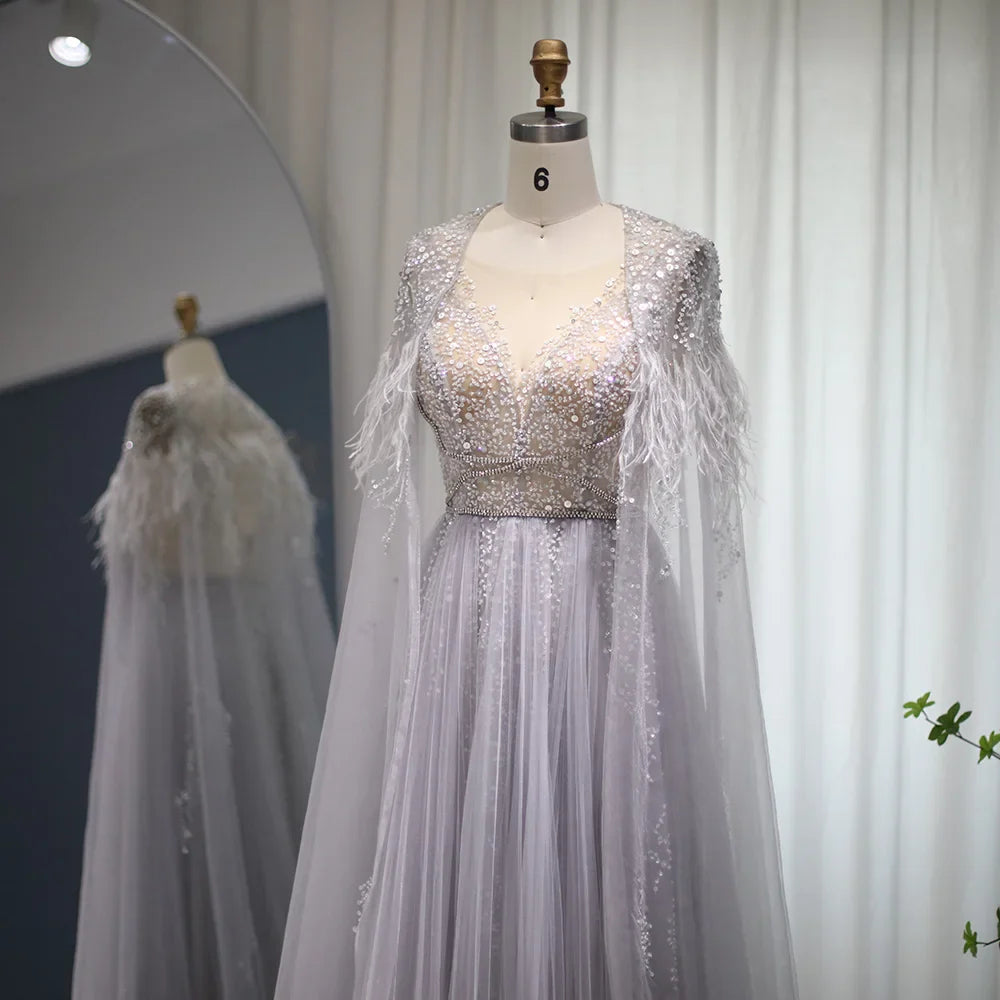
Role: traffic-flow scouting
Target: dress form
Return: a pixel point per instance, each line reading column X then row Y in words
column 552, row 245
column 195, row 359
column 194, row 356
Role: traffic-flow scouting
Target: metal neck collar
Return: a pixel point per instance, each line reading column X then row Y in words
column 548, row 126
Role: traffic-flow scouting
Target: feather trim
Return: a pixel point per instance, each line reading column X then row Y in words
column 690, row 402
column 202, row 461
column 380, row 451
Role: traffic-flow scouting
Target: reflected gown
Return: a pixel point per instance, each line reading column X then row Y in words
column 543, row 772
column 216, row 654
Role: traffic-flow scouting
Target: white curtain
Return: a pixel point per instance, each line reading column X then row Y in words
column 846, row 160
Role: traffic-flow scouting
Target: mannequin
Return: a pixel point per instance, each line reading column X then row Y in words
column 216, row 654
column 195, row 359
column 553, row 244
column 194, row 356
column 543, row 769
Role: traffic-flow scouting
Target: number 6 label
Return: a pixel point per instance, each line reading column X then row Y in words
column 541, row 179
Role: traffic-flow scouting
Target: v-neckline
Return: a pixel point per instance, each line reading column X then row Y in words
column 519, row 376
column 516, row 376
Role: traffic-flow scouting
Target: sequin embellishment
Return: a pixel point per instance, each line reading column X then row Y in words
column 538, row 442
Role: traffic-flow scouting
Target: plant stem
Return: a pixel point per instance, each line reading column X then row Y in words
column 993, row 753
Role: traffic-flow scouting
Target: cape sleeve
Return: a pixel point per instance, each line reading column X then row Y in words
column 685, row 753
column 691, row 404
column 378, row 636
column 380, row 450
column 720, row 587
column 713, row 389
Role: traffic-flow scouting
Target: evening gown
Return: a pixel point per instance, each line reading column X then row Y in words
column 523, row 790
column 216, row 655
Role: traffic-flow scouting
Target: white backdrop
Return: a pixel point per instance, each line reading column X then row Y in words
column 846, row 159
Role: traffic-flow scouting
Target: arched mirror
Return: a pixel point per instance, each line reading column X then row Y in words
column 129, row 172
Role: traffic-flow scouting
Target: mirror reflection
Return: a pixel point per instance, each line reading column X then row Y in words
column 165, row 409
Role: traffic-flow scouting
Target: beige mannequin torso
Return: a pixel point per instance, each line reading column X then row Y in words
column 542, row 253
column 192, row 358
column 196, row 359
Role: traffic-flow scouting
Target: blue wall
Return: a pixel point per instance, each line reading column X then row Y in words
column 59, row 442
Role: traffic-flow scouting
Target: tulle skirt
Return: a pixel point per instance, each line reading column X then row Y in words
column 207, row 726
column 487, row 880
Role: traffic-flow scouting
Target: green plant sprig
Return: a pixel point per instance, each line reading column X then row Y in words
column 949, row 724
column 945, row 726
column 971, row 938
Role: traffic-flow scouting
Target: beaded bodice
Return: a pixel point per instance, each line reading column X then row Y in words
column 536, row 442
column 622, row 404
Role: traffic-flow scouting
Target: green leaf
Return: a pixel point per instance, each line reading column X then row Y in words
column 947, row 724
column 962, row 718
column 940, row 732
column 916, row 708
column 971, row 940
column 949, row 716
column 988, row 745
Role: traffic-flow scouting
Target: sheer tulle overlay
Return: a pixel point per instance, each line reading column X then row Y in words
column 488, row 872
column 544, row 773
column 216, row 652
column 494, row 835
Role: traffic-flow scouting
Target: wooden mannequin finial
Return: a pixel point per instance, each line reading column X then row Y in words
column 550, row 61
column 186, row 310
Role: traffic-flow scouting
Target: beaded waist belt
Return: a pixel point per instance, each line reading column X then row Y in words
column 598, row 500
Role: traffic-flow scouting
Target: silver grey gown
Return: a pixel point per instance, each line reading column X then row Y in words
column 216, row 654
column 543, row 773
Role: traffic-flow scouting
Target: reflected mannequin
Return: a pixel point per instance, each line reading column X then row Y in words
column 216, row 654
column 193, row 356
column 123, row 180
